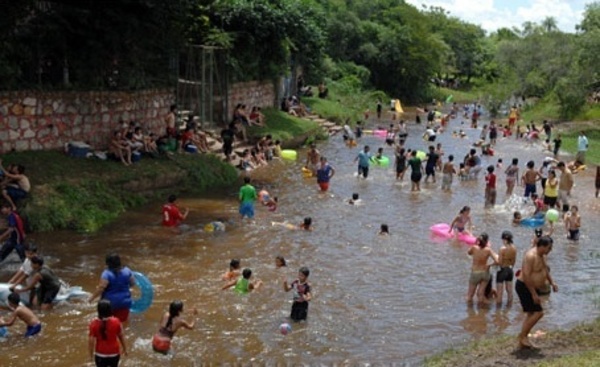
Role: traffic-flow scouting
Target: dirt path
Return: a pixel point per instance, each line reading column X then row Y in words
column 503, row 352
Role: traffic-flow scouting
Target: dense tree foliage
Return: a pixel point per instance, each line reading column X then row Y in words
column 383, row 44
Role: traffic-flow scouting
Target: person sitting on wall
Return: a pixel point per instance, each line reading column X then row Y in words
column 119, row 149
column 18, row 185
column 256, row 118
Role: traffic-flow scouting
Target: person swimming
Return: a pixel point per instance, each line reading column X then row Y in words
column 355, row 200
column 462, row 221
column 384, row 231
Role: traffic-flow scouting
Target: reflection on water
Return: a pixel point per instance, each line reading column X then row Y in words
column 376, row 299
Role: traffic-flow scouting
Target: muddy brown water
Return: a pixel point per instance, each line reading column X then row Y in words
column 376, row 299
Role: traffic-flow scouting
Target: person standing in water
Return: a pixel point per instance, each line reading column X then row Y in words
column 512, row 176
column 114, row 285
column 490, row 187
column 106, row 342
column 302, row 294
column 324, row 173
column 480, row 273
column 448, row 172
column 462, row 221
column 363, row 158
column 533, row 276
column 313, row 159
column 172, row 215
column 507, row 256
column 243, row 284
column 247, row 198
column 416, row 171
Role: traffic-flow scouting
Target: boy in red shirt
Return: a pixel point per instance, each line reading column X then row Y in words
column 490, row 187
column 172, row 216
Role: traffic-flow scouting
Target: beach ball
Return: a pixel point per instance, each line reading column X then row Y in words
column 285, row 328
column 4, row 332
column 421, row 155
column 552, row 215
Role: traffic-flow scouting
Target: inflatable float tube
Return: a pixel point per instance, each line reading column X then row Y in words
column 532, row 222
column 65, row 293
column 368, row 132
column 421, row 155
column 443, row 230
column 3, row 332
column 381, row 162
column 143, row 303
column 306, row 172
column 289, row 154
column 580, row 168
column 380, row 133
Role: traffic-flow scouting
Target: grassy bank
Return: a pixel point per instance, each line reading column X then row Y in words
column 85, row 194
column 459, row 96
column 577, row 347
column 282, row 126
column 346, row 103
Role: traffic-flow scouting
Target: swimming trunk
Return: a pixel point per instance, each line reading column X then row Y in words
column 478, row 277
column 430, row 170
column 505, row 274
column 550, row 201
column 446, row 181
column 526, row 298
column 32, row 330
column 112, row 361
column 47, row 296
column 563, row 197
column 324, row 186
column 121, row 313
column 299, row 311
column 247, row 210
column 529, row 189
column 573, row 234
column 364, row 171
column 161, row 343
column 416, row 177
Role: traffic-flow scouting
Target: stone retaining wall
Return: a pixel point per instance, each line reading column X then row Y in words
column 33, row 120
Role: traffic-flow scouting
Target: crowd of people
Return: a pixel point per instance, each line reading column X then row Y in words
column 106, row 336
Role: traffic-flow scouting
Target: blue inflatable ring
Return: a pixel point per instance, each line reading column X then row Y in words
column 145, row 301
column 3, row 332
column 532, row 222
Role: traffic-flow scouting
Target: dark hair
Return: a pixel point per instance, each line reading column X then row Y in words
column 247, row 273
column 538, row 232
column 246, row 180
column 490, row 168
column 355, row 196
column 113, row 261
column 530, row 164
column 508, row 236
column 234, row 263
column 561, row 164
column 483, row 239
column 304, row 270
column 544, row 241
column 172, row 198
column 38, row 260
column 31, row 247
column 385, row 228
column 175, row 309
column 173, row 108
column 14, row 298
column 282, row 260
column 307, row 221
column 465, row 209
column 104, row 312
column 450, row 158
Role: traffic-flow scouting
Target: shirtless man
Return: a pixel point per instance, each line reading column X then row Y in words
column 312, row 159
column 534, row 275
column 19, row 185
column 565, row 185
column 507, row 256
column 480, row 274
column 530, row 178
column 170, row 122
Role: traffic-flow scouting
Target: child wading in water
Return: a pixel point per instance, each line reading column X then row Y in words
column 169, row 324
column 462, row 221
column 572, row 223
column 385, row 230
column 21, row 312
column 244, row 285
column 302, row 294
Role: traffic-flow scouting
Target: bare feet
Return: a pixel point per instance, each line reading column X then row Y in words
column 524, row 343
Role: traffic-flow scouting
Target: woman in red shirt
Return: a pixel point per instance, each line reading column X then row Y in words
column 105, row 335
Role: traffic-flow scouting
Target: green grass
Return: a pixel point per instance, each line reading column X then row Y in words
column 576, row 347
column 85, row 194
column 569, row 139
column 585, row 359
column 459, row 96
column 544, row 109
column 346, row 104
column 282, row 126
column 589, row 113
